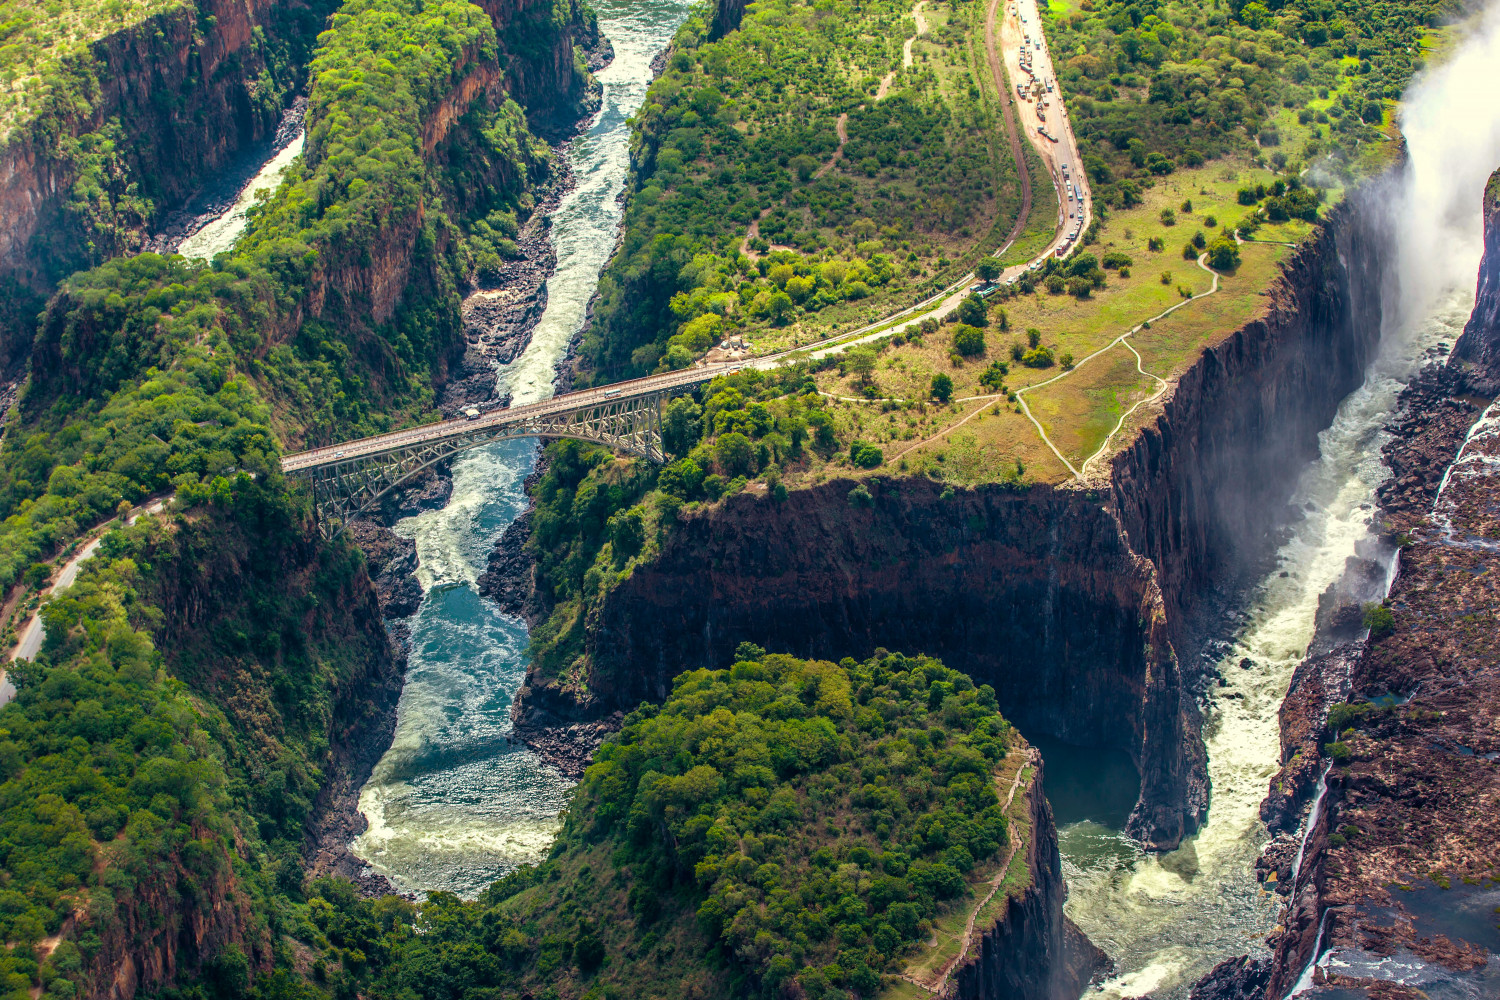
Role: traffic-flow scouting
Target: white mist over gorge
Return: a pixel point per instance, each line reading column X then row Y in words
column 1167, row 919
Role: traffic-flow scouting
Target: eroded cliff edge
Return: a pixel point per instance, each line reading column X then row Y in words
column 1077, row 603
column 1400, row 886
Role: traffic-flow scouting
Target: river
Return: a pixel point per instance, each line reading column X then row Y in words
column 1168, row 919
column 454, row 803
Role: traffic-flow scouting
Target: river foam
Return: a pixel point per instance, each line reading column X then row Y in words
column 1166, row 920
column 455, row 803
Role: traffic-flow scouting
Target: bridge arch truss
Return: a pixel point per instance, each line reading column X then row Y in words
column 346, row 488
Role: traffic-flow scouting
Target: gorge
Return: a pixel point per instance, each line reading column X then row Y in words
column 858, row 694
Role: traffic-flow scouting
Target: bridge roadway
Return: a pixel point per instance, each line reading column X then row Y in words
column 1063, row 163
column 338, row 454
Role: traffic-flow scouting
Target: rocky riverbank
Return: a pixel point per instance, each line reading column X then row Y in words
column 1097, row 585
column 1399, row 879
column 498, row 320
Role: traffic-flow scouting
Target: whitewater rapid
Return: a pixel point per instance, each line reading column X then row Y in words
column 454, row 803
column 1166, row 920
column 219, row 234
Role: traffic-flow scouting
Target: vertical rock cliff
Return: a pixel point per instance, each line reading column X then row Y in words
column 158, row 107
column 1480, row 344
column 1076, row 604
column 1032, row 951
column 1035, row 592
column 1201, row 486
column 1398, row 890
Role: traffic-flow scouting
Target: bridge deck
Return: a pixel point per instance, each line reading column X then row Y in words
column 461, row 426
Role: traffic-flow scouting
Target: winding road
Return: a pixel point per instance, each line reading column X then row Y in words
column 1060, row 154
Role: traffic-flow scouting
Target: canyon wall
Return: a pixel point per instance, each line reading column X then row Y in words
column 1035, row 592
column 1479, row 345
column 1398, row 890
column 150, row 112
column 1033, row 952
column 1200, row 487
column 1074, row 603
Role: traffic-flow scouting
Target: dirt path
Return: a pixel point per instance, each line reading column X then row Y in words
column 1018, row 154
column 907, row 60
column 937, row 988
column 842, row 130
column 1123, row 338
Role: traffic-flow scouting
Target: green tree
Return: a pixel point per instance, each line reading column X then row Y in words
column 968, row 340
column 865, row 455
column 735, row 454
column 942, row 388
column 989, row 269
column 1223, row 253
column 781, row 307
column 973, row 312
column 861, row 363
column 1379, row 620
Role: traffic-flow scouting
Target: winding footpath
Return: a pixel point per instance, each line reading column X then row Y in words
column 1124, row 338
column 940, row 985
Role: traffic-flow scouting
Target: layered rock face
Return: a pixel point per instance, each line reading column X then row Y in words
column 1074, row 603
column 1035, row 592
column 1200, row 488
column 1480, row 344
column 1032, row 952
column 178, row 96
column 1400, row 889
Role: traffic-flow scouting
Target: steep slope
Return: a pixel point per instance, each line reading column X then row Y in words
column 212, row 681
column 784, row 827
column 130, row 128
column 1077, row 604
column 1399, row 888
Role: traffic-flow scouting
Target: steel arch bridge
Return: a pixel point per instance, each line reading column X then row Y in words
column 348, row 479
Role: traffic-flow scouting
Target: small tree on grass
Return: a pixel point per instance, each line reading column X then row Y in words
column 1223, row 254
column 865, row 455
column 989, row 268
column 993, row 377
column 861, row 364
column 968, row 340
column 942, row 388
column 973, row 312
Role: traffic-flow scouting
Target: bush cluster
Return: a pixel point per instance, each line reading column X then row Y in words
column 1214, row 76
column 802, row 821
column 737, row 129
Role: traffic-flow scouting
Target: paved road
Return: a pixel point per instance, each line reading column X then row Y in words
column 1061, row 157
column 33, row 634
column 1028, row 60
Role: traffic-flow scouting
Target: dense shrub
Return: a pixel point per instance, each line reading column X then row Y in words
column 968, row 340
column 1214, row 78
column 801, row 821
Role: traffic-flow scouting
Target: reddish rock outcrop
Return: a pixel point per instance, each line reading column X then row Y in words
column 188, row 90
column 1401, row 885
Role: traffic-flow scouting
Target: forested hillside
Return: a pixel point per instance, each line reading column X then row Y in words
column 166, row 747
column 746, row 130
column 782, row 825
column 113, row 113
column 1156, row 86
